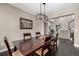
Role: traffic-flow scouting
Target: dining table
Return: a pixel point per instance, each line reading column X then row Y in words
column 27, row 47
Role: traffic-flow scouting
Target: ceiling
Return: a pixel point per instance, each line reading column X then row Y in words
column 34, row 8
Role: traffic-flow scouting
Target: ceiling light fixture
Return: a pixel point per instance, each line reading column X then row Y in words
column 42, row 16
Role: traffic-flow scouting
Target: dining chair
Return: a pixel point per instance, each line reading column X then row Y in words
column 38, row 34
column 54, row 42
column 72, row 36
column 16, row 53
column 42, row 51
column 27, row 36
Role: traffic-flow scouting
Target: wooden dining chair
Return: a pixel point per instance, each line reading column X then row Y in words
column 27, row 36
column 16, row 53
column 38, row 34
column 42, row 51
column 54, row 42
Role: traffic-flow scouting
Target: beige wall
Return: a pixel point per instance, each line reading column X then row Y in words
column 66, row 12
column 10, row 23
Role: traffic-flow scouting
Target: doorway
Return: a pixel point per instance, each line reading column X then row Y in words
column 64, row 25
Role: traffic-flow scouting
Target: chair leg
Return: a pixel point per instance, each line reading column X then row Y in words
column 15, row 48
column 42, row 53
column 56, row 46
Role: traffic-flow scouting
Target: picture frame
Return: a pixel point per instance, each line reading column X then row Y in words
column 26, row 23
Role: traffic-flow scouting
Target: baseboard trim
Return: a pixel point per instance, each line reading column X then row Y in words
column 76, row 45
column 3, row 50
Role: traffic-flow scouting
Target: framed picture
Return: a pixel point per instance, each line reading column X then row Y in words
column 26, row 24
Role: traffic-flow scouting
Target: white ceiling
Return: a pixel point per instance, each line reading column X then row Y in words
column 34, row 8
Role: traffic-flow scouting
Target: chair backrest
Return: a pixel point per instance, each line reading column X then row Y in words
column 46, row 44
column 48, row 38
column 38, row 34
column 27, row 36
column 56, row 37
column 8, row 46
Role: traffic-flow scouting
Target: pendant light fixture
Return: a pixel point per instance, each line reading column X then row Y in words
column 42, row 16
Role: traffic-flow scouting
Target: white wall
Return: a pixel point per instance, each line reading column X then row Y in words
column 10, row 23
column 76, row 28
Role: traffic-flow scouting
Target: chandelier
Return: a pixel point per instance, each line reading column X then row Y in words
column 42, row 16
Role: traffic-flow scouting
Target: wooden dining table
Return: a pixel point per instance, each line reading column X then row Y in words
column 27, row 47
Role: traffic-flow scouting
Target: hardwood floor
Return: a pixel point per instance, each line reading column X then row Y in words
column 65, row 48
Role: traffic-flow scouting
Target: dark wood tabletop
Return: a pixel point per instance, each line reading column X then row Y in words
column 29, row 46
